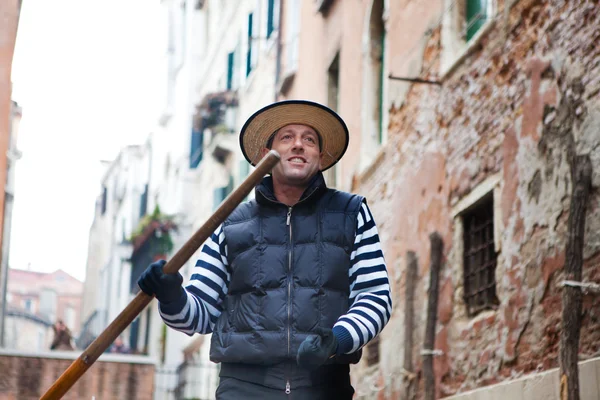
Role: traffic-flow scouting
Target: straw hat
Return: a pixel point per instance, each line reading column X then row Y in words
column 266, row 121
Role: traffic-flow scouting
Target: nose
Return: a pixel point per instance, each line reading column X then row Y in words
column 298, row 143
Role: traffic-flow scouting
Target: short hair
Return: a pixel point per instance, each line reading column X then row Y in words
column 269, row 144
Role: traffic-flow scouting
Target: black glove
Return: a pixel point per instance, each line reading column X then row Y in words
column 317, row 349
column 166, row 287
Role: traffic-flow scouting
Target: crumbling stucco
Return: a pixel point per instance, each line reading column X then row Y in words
column 499, row 112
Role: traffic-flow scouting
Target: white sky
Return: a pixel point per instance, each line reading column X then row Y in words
column 85, row 74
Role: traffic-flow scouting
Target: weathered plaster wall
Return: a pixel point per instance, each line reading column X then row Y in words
column 512, row 108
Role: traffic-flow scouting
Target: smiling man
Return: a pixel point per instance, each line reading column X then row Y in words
column 293, row 284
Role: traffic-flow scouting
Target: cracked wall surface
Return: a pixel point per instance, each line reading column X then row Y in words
column 518, row 106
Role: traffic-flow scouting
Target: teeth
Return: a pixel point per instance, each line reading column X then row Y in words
column 296, row 160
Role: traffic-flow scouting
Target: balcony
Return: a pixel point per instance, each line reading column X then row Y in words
column 215, row 123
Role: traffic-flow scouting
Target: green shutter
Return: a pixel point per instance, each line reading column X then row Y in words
column 270, row 18
column 475, row 16
column 249, row 53
column 230, row 61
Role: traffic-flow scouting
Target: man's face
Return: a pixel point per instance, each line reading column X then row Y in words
column 298, row 146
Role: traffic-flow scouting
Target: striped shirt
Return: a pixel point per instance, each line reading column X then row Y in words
column 199, row 307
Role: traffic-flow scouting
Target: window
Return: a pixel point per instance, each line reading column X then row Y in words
column 333, row 84
column 377, row 42
column 70, row 317
column 177, row 37
column 292, row 36
column 250, row 45
column 372, row 118
column 221, row 193
column 479, row 256
column 462, row 24
column 475, row 16
column 144, row 201
column 244, row 169
column 103, row 200
column 28, row 305
column 196, row 147
column 323, row 6
column 272, row 16
column 230, row 69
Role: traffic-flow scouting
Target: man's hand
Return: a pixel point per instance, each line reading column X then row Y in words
column 317, row 349
column 166, row 287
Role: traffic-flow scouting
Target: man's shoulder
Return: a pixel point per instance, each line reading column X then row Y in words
column 339, row 200
column 242, row 212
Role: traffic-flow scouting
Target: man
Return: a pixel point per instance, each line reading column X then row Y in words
column 62, row 337
column 118, row 346
column 293, row 284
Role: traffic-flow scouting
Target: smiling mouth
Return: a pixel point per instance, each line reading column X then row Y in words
column 297, row 160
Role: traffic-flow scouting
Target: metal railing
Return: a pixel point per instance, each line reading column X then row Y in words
column 188, row 381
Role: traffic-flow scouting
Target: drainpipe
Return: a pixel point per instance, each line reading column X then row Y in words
column 278, row 52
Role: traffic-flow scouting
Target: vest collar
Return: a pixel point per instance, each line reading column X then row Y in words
column 266, row 196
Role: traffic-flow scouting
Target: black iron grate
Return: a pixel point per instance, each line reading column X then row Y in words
column 480, row 257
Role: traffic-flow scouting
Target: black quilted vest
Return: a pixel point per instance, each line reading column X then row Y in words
column 289, row 273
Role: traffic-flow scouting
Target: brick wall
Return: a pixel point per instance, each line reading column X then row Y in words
column 497, row 115
column 28, row 377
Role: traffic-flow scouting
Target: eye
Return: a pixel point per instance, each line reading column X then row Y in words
column 310, row 139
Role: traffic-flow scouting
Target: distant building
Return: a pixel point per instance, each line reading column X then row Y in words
column 35, row 301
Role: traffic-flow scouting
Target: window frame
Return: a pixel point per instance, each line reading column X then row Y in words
column 479, row 257
column 491, row 186
column 455, row 44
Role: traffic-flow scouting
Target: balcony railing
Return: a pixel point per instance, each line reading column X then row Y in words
column 189, row 380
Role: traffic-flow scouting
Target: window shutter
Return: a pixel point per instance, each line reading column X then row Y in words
column 475, row 16
column 196, row 147
column 249, row 52
column 230, row 64
column 270, row 17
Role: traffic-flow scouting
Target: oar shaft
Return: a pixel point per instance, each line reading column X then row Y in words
column 141, row 300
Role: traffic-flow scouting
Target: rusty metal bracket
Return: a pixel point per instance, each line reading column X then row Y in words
column 414, row 80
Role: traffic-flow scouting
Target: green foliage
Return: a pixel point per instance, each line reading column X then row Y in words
column 161, row 239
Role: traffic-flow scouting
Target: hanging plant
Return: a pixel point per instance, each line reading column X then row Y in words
column 156, row 228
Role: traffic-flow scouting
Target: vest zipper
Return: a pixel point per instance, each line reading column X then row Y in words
column 289, row 313
column 288, row 388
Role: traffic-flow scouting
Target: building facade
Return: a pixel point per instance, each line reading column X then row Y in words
column 465, row 117
column 10, row 114
column 37, row 300
column 120, row 206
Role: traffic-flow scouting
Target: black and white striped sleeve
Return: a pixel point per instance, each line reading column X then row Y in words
column 200, row 305
column 370, row 298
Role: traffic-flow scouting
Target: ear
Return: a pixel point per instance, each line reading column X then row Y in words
column 321, row 161
column 264, row 152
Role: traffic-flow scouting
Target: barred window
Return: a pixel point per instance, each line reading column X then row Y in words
column 479, row 257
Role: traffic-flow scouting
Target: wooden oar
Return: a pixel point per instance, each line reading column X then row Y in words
column 137, row 305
